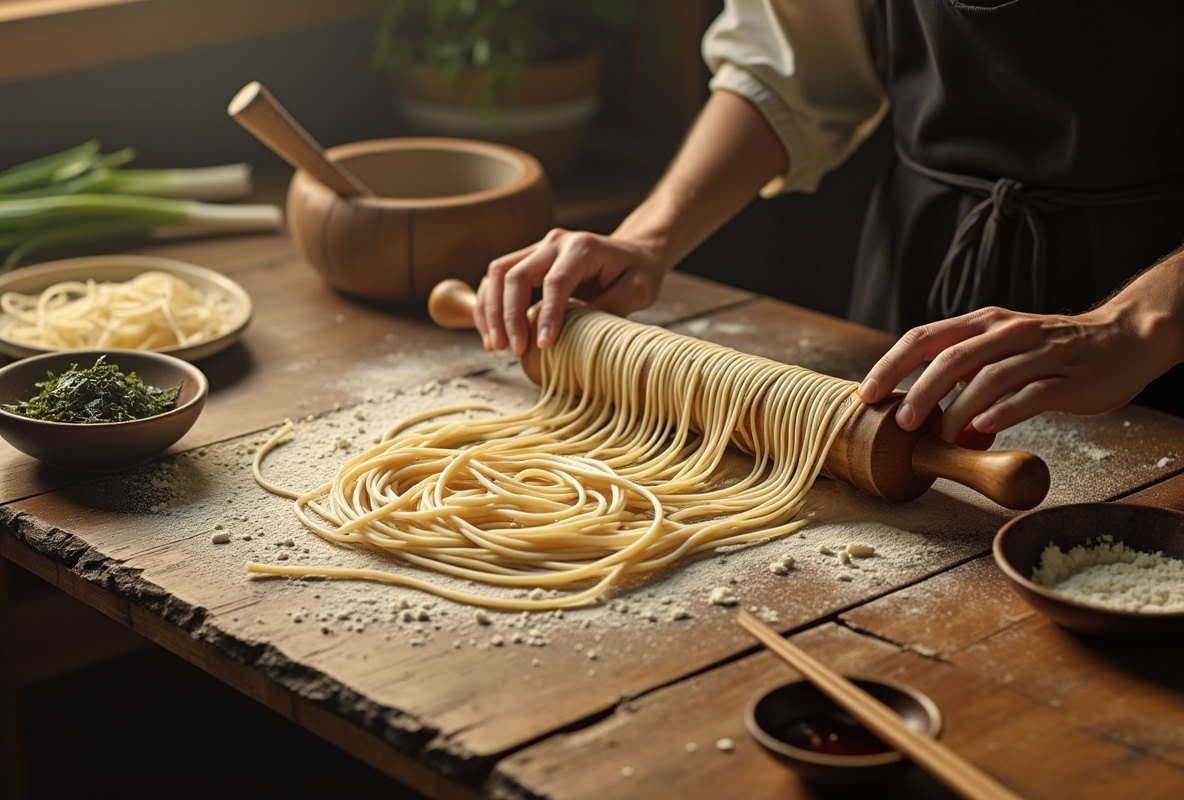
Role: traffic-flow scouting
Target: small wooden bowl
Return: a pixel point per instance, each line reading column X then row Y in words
column 773, row 711
column 1021, row 541
column 103, row 446
column 233, row 298
column 443, row 208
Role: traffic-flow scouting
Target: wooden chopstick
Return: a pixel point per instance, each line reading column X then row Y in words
column 926, row 752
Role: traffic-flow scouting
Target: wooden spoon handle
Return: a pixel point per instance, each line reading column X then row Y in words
column 256, row 110
column 1012, row 478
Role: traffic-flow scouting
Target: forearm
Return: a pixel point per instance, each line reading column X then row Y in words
column 729, row 154
column 1012, row 366
column 1152, row 305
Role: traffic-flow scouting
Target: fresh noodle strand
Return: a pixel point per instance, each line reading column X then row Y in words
column 151, row 311
column 620, row 468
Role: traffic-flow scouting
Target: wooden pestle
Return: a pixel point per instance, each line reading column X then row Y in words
column 260, row 113
column 870, row 452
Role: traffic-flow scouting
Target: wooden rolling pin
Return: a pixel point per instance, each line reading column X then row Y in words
column 870, row 452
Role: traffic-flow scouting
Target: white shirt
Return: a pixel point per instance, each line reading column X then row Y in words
column 810, row 67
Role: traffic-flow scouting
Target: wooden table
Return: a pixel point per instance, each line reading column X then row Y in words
column 631, row 699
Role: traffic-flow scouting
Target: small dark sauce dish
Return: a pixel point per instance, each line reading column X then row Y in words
column 804, row 730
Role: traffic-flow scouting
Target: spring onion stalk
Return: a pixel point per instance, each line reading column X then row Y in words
column 82, row 196
column 225, row 182
column 56, row 168
column 43, row 222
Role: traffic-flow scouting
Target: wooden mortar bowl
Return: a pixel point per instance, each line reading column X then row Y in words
column 443, row 208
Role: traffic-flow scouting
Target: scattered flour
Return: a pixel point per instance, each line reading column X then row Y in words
column 781, row 566
column 210, row 490
column 722, row 596
column 1107, row 573
column 1051, row 431
column 705, row 328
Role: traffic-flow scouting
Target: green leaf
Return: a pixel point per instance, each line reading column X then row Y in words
column 101, row 393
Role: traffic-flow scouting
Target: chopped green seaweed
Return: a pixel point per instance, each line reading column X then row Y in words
column 101, row 393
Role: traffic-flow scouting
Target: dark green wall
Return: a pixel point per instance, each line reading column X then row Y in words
column 172, row 108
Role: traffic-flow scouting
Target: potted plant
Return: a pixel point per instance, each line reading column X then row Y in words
column 523, row 72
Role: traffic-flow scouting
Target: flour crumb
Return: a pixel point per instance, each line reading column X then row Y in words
column 767, row 615
column 781, row 566
column 722, row 596
column 626, row 772
column 221, row 537
column 861, row 550
column 725, row 745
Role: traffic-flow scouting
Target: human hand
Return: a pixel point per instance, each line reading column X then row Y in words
column 621, row 277
column 1011, row 366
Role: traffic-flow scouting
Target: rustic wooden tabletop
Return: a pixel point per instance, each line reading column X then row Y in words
column 638, row 697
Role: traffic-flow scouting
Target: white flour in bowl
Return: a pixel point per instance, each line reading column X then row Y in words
column 1104, row 572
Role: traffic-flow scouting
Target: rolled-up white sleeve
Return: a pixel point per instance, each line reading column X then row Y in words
column 809, row 66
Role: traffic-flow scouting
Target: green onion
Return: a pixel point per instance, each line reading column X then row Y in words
column 73, row 219
column 81, row 196
column 225, row 182
column 49, row 170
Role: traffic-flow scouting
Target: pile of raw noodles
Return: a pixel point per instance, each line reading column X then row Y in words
column 621, row 467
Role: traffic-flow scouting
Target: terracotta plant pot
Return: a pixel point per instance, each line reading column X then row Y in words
column 548, row 114
column 444, row 208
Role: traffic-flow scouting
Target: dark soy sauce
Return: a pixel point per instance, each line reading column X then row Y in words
column 833, row 734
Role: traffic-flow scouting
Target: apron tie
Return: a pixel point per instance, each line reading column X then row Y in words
column 969, row 273
column 974, row 253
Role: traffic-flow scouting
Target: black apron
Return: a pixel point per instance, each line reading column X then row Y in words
column 1040, row 159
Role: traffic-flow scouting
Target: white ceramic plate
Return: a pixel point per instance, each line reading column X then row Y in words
column 35, row 279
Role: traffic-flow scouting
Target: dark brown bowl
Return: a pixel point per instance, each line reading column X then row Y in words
column 1020, row 543
column 104, row 446
column 772, row 710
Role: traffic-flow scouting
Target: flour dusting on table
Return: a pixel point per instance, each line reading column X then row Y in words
column 854, row 547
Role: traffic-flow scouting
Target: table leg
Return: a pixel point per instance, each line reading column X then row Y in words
column 11, row 776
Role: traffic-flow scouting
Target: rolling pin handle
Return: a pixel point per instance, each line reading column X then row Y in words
column 1012, row 478
column 452, row 303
